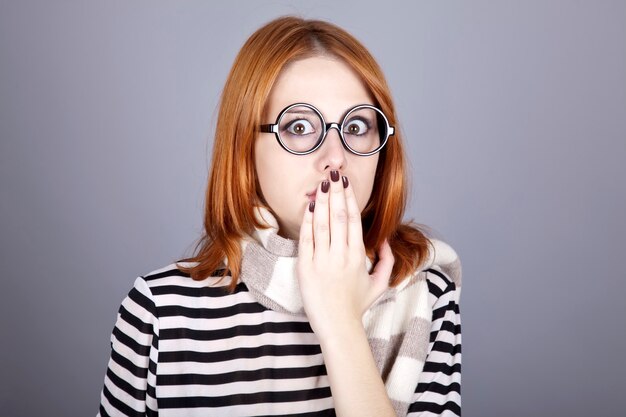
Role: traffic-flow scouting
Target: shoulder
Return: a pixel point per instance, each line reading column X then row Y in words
column 442, row 268
column 442, row 274
column 168, row 281
column 166, row 274
column 439, row 275
column 171, row 274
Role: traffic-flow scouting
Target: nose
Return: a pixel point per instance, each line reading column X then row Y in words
column 332, row 154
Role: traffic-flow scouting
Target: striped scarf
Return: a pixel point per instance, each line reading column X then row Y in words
column 397, row 324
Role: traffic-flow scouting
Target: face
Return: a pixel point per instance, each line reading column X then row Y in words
column 288, row 182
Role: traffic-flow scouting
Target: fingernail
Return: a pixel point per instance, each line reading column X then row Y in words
column 334, row 175
column 312, row 206
column 325, row 186
column 345, row 181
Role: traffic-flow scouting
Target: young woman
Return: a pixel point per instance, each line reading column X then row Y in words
column 307, row 296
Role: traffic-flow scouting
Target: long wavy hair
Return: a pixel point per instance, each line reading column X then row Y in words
column 233, row 188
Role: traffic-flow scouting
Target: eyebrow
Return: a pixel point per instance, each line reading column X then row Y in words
column 301, row 112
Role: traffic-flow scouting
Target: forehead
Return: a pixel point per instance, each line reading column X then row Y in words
column 327, row 83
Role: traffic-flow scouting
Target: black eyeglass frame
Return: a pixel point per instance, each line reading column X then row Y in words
column 273, row 128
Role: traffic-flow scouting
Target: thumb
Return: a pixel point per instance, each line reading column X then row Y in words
column 382, row 271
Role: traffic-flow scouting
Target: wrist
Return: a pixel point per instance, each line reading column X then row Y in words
column 341, row 333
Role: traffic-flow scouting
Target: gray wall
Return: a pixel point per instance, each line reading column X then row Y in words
column 515, row 116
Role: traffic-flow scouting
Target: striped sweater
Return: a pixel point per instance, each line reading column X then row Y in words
column 185, row 347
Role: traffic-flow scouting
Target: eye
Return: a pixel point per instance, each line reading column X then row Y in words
column 300, row 127
column 357, row 126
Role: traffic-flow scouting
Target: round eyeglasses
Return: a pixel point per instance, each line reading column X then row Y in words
column 300, row 129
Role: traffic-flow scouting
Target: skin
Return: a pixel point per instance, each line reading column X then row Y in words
column 336, row 288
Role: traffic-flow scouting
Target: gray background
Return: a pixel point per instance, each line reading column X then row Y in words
column 515, row 118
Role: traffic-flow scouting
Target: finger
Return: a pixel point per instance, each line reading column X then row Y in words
column 355, row 227
column 305, row 246
column 338, row 214
column 321, row 227
column 381, row 274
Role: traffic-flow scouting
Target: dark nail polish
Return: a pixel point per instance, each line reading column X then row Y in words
column 345, row 181
column 334, row 175
column 325, row 186
column 312, row 206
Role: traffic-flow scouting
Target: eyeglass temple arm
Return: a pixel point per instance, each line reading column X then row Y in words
column 273, row 128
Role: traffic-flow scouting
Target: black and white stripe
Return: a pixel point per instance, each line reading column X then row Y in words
column 439, row 390
column 181, row 347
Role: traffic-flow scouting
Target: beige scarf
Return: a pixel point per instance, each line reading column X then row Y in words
column 397, row 324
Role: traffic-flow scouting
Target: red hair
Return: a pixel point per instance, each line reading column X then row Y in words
column 233, row 189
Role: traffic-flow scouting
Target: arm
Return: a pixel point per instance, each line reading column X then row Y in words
column 438, row 392
column 127, row 389
column 336, row 290
column 355, row 382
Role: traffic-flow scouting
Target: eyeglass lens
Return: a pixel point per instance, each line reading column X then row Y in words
column 301, row 129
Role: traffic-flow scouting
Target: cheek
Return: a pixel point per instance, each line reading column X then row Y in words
column 364, row 188
column 365, row 193
column 267, row 175
column 273, row 171
column 262, row 168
